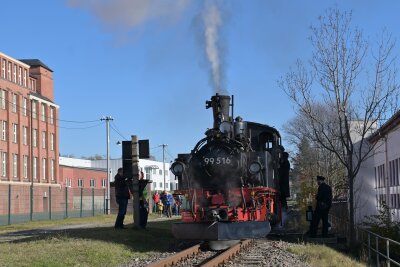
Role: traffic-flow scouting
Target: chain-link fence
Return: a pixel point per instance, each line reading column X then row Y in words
column 21, row 203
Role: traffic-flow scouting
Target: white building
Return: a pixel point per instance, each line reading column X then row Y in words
column 153, row 170
column 378, row 179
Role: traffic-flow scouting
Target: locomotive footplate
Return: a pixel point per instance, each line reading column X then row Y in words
column 221, row 230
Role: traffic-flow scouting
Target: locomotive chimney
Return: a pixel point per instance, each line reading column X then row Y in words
column 220, row 105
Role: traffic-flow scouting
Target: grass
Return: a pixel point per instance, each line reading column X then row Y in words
column 101, row 245
column 100, row 219
column 97, row 246
column 323, row 256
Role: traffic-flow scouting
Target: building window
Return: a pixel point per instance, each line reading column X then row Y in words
column 4, row 164
column 92, row 183
column 160, row 172
column 4, row 130
column 15, row 165
column 15, row 74
column 166, row 172
column 9, row 70
column 70, row 182
column 52, row 170
column 51, row 115
column 43, row 139
column 15, row 134
column 25, row 135
column 43, row 112
column 80, row 183
column 3, row 99
column 3, row 69
column 20, row 76
column 397, row 178
column 25, row 105
column 34, row 134
column 44, row 168
column 104, row 183
column 33, row 109
column 161, row 185
column 25, row 75
column 14, row 103
column 51, row 141
column 25, row 167
column 154, row 185
column 154, row 171
column 34, row 168
column 148, row 170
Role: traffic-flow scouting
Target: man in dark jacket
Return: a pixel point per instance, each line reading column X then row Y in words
column 122, row 195
column 284, row 169
column 324, row 203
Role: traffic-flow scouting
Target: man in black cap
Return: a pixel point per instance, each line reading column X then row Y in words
column 122, row 195
column 324, row 202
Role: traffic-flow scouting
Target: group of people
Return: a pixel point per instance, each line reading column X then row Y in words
column 166, row 205
column 123, row 194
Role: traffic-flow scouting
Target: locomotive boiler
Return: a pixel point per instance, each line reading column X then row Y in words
column 230, row 181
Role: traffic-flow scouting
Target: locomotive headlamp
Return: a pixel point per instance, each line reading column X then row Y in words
column 255, row 167
column 177, row 168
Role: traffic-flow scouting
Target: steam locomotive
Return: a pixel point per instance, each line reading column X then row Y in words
column 231, row 180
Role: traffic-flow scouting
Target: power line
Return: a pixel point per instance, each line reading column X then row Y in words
column 116, row 130
column 45, row 116
column 80, row 128
column 172, row 157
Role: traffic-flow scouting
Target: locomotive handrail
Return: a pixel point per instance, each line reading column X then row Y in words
column 198, row 144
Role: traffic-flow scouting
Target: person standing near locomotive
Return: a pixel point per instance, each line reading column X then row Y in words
column 284, row 169
column 122, row 196
column 324, row 203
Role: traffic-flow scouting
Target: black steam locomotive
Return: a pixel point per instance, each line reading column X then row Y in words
column 233, row 180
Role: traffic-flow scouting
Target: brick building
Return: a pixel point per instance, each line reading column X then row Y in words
column 28, row 122
column 29, row 149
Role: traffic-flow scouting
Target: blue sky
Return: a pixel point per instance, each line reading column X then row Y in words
column 149, row 71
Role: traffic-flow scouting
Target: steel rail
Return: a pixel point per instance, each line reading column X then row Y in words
column 228, row 254
column 170, row 261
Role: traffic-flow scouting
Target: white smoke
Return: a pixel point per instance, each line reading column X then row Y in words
column 121, row 16
column 213, row 22
column 131, row 13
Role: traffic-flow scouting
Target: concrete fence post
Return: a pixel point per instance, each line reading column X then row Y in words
column 81, row 204
column 9, row 204
column 49, row 202
column 66, row 202
column 92, row 201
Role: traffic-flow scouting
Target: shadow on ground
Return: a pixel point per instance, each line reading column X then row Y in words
column 156, row 237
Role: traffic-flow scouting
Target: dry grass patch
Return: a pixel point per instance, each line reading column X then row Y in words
column 323, row 256
column 98, row 246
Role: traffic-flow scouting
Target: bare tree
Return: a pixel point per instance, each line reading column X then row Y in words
column 350, row 77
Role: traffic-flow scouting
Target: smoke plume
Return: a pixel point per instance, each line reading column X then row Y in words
column 129, row 14
column 212, row 22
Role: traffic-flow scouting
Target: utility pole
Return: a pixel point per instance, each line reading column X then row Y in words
column 32, row 160
column 107, row 119
column 163, row 160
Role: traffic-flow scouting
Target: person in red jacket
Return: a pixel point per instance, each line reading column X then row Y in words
column 156, row 199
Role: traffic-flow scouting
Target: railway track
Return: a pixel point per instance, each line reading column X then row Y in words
column 260, row 252
column 197, row 256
